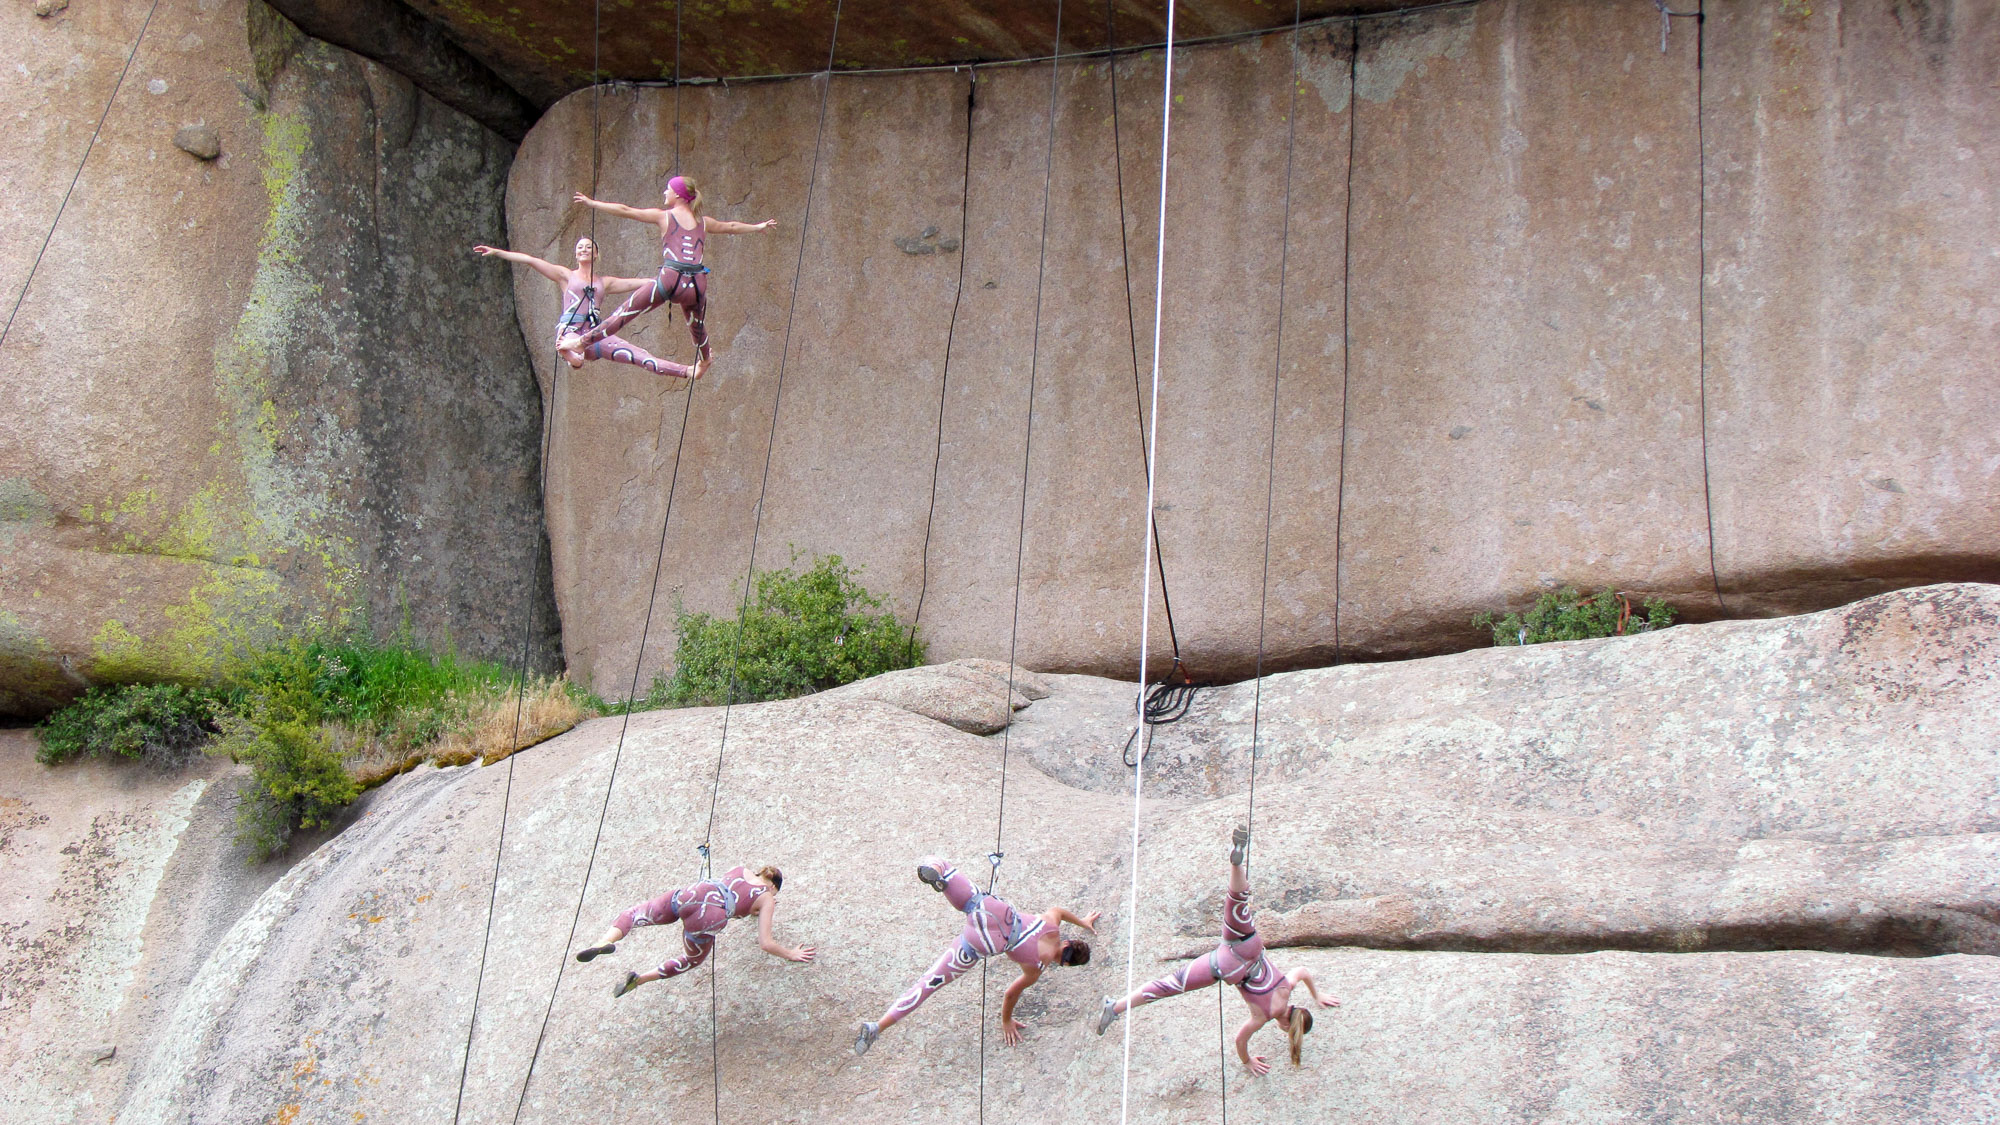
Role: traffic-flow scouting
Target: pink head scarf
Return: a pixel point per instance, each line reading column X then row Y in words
column 680, row 188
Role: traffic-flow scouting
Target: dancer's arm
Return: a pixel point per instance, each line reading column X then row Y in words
column 725, row 226
column 768, row 944
column 613, row 286
column 1304, row 976
column 1010, row 1028
column 1258, row 1064
column 550, row 270
column 1088, row 922
column 651, row 215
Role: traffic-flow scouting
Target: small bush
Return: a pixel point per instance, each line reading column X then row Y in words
column 1566, row 615
column 297, row 780
column 801, row 633
column 164, row 724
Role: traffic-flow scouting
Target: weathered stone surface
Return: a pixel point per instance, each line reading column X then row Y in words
column 971, row 695
column 1523, row 406
column 255, row 390
column 1852, row 205
column 347, row 987
column 198, row 141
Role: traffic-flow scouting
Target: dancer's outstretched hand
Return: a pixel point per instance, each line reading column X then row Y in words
column 1090, row 920
column 1328, row 1002
column 803, row 954
column 579, row 197
column 1011, row 1031
column 1259, row 1065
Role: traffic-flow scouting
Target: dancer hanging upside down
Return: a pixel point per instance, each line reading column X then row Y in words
column 682, row 279
column 992, row 926
column 702, row 910
column 1240, row 961
column 581, row 289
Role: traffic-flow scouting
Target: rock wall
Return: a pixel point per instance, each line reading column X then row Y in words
column 1775, row 904
column 1558, row 307
column 255, row 389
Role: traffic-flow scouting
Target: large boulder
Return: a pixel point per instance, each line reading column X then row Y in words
column 255, row 390
column 1502, row 367
column 1779, row 924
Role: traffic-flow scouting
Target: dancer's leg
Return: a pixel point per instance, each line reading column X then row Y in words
column 656, row 293
column 955, row 961
column 617, row 349
column 1196, row 974
column 958, row 889
column 693, row 299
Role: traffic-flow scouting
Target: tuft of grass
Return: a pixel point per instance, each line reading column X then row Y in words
column 801, row 633
column 1566, row 615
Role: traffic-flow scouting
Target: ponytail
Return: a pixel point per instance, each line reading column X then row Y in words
column 1296, row 1028
column 768, row 873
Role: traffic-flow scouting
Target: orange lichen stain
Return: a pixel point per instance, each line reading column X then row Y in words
column 286, row 1115
column 305, row 1067
column 375, row 917
column 423, row 898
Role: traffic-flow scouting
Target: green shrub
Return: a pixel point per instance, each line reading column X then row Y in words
column 297, row 780
column 164, row 724
column 801, row 633
column 1566, row 615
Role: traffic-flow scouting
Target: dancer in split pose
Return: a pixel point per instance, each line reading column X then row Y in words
column 582, row 290
column 1240, row 961
column 682, row 279
column 992, row 926
column 702, row 910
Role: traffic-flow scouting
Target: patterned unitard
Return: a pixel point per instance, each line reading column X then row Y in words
column 580, row 315
column 702, row 910
column 682, row 280
column 1239, row 960
column 992, row 926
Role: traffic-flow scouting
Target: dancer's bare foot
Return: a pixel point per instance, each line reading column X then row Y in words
column 570, row 347
column 700, row 369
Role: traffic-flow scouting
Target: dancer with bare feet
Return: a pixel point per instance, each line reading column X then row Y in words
column 702, row 910
column 992, row 926
column 683, row 279
column 582, row 290
column 1240, row 961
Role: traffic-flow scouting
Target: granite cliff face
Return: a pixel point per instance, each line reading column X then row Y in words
column 1765, row 850
column 1557, row 307
column 257, row 378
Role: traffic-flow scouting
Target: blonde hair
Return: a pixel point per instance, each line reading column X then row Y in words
column 694, row 206
column 1297, row 1023
column 772, row 876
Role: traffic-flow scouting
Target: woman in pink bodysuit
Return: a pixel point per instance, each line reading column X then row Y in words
column 683, row 279
column 1240, row 961
column 702, row 910
column 582, row 290
column 992, row 926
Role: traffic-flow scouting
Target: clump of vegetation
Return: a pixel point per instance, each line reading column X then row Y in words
column 1566, row 615
column 318, row 719
column 801, row 633
column 166, row 725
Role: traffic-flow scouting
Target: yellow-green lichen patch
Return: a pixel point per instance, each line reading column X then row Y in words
column 229, row 613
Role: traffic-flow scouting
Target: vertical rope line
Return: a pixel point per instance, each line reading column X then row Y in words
column 1701, row 283
column 78, row 174
column 1146, row 566
column 513, row 744
column 1131, row 321
column 1346, row 323
column 756, row 531
column 1021, row 527
column 944, row 376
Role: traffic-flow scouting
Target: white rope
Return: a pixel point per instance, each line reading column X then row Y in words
column 1146, row 564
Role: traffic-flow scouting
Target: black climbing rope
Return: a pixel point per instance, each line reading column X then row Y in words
column 944, row 376
column 1346, row 322
column 1021, row 527
column 1270, row 495
column 1132, row 324
column 78, row 175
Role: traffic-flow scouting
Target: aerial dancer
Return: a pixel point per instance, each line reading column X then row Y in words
column 702, row 910
column 682, row 280
column 992, row 926
column 1240, row 961
column 581, row 289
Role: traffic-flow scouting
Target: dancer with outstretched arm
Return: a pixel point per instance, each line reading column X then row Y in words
column 992, row 926
column 1240, row 961
column 702, row 910
column 683, row 279
column 582, row 290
